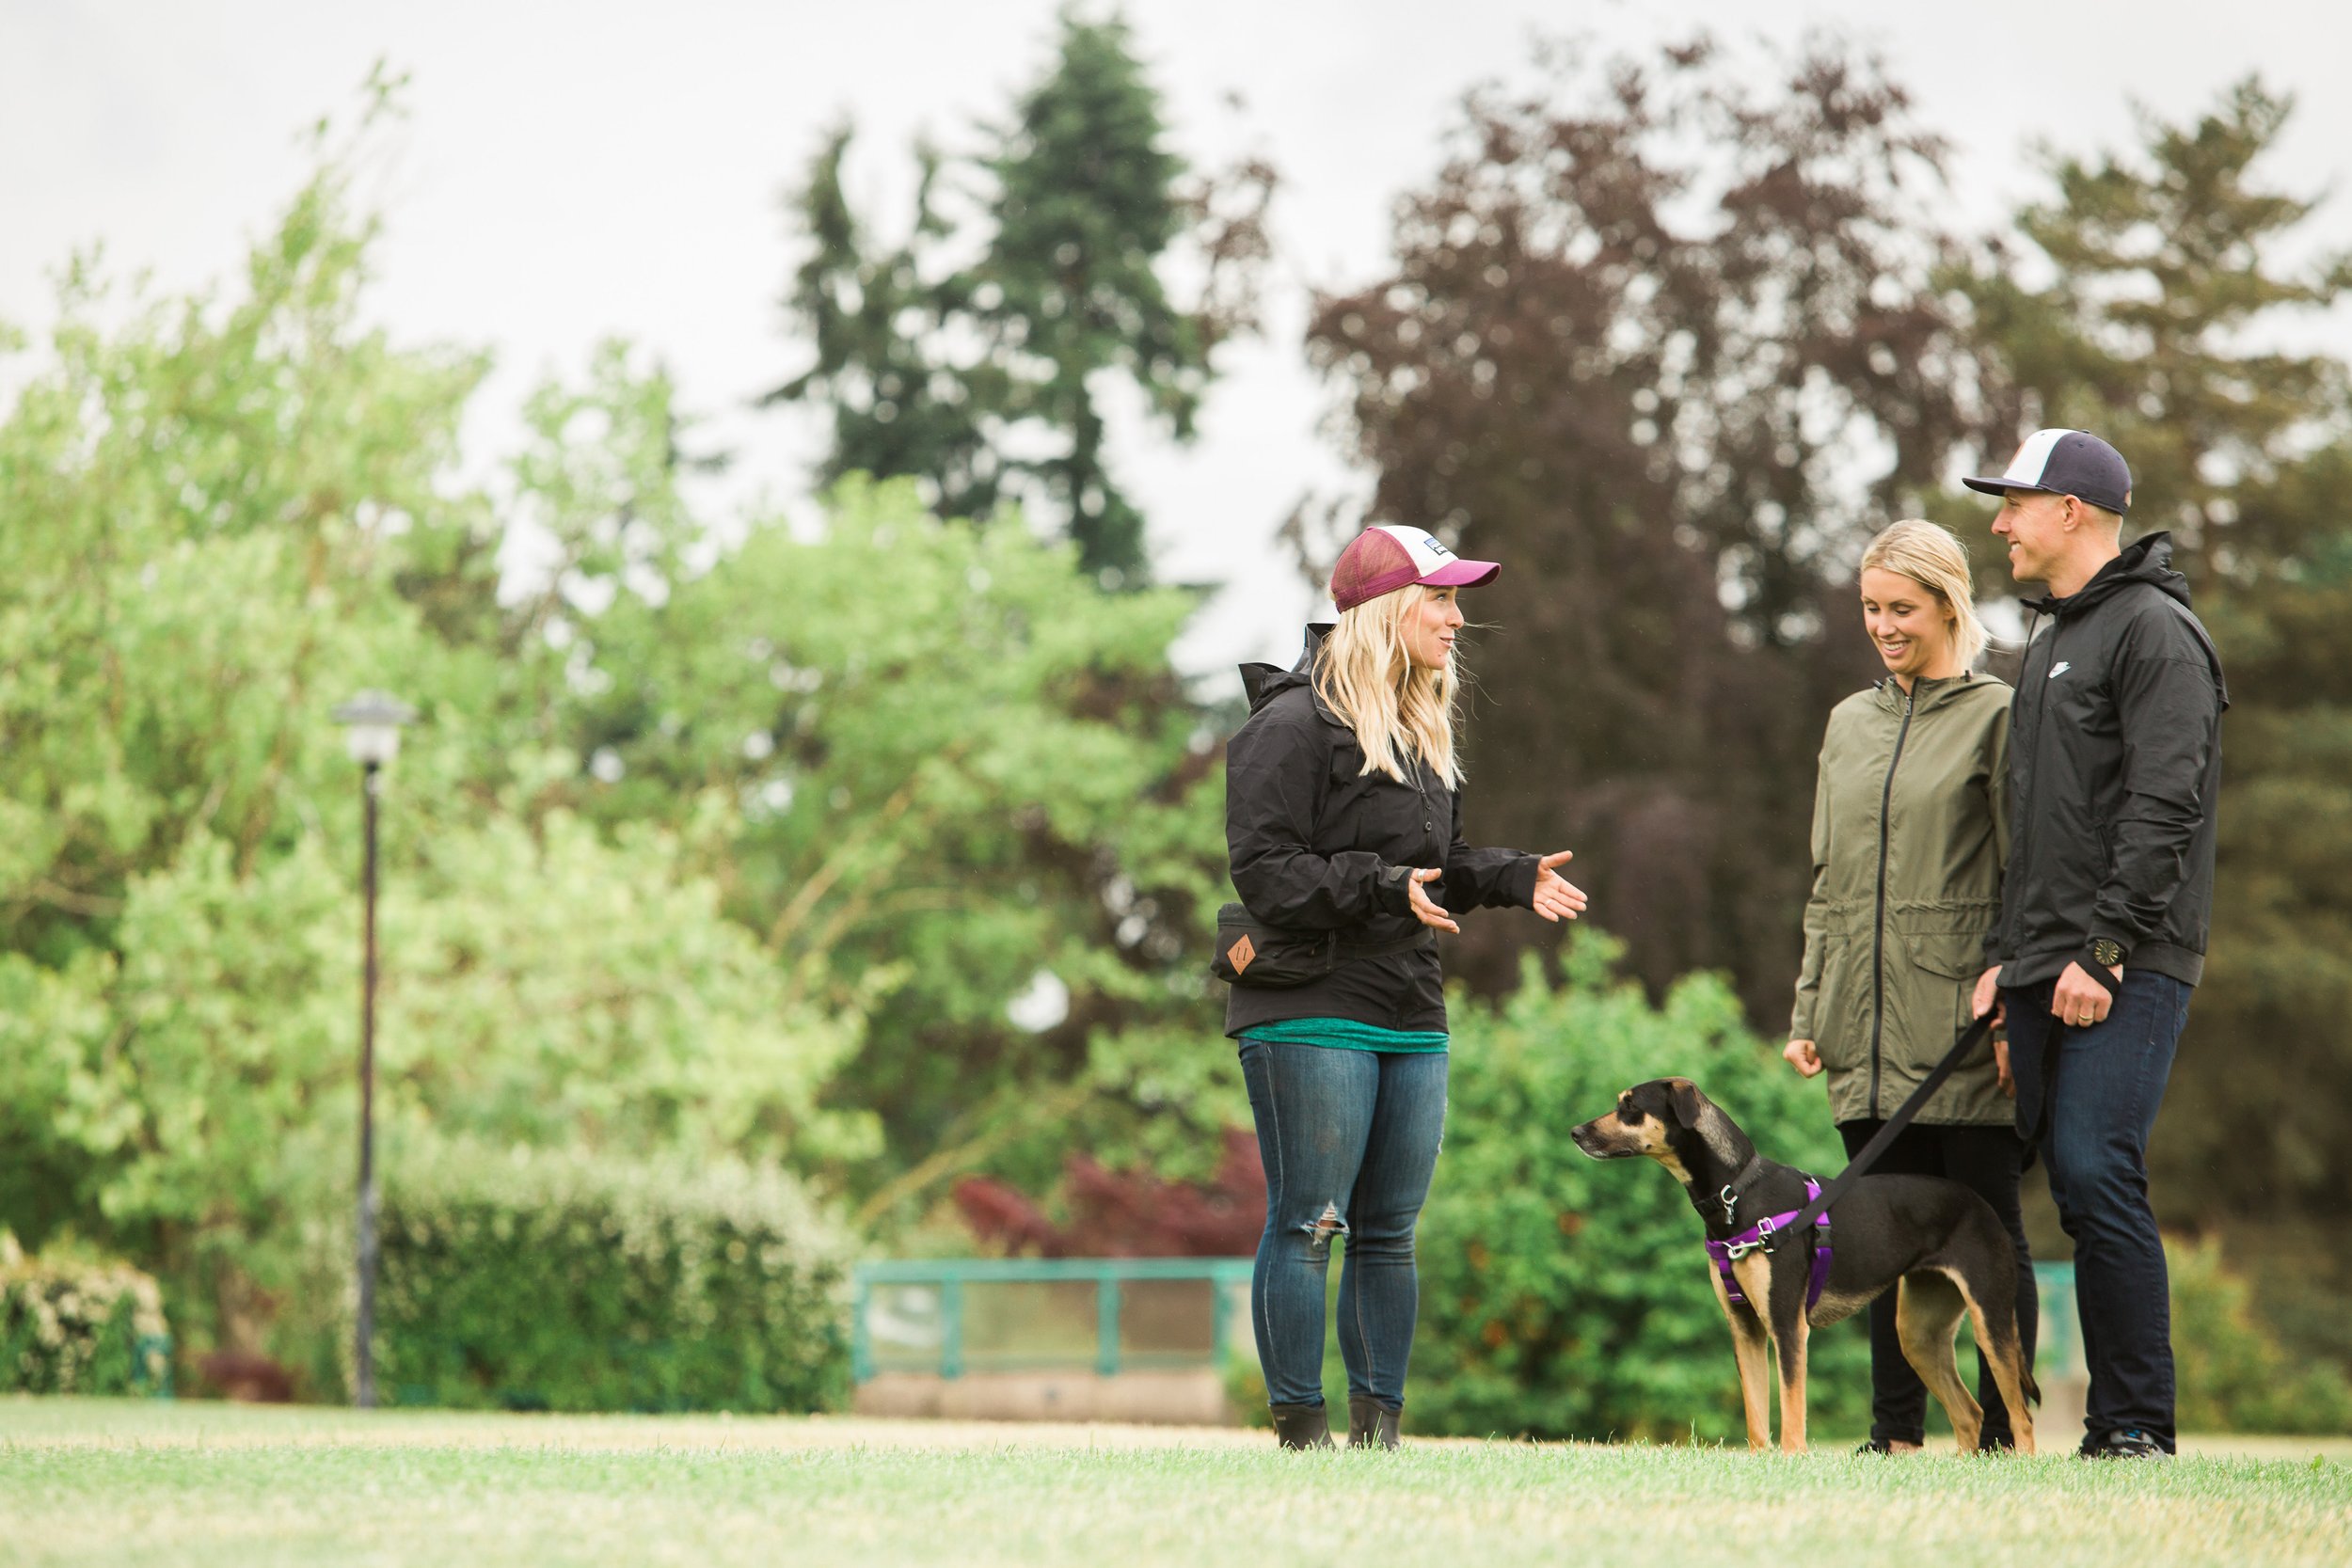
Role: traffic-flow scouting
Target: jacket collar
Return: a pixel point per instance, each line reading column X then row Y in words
column 1925, row 693
column 1262, row 682
column 2147, row 559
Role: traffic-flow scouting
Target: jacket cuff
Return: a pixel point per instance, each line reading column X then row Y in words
column 1518, row 888
column 1395, row 883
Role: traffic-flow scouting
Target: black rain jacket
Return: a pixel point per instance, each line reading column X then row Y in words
column 2115, row 760
column 1316, row 844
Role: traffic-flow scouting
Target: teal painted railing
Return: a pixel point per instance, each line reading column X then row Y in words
column 2058, row 1346
column 952, row 1316
column 146, row 1349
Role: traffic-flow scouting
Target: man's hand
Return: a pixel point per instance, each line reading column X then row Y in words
column 1424, row 911
column 2000, row 1067
column 1802, row 1056
column 1987, row 998
column 1557, row 898
column 2079, row 1000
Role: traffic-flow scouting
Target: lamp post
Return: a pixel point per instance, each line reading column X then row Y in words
column 371, row 723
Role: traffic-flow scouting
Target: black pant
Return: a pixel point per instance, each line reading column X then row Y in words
column 2105, row 1085
column 1987, row 1161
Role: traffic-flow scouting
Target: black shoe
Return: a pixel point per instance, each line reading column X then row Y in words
column 1370, row 1424
column 2130, row 1443
column 1876, row 1444
column 1302, row 1426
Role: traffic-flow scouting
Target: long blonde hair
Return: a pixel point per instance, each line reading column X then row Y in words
column 1931, row 557
column 1363, row 674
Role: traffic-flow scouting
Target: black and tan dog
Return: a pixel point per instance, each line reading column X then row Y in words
column 1939, row 1242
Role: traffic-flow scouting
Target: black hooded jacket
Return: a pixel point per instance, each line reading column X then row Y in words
column 1316, row 844
column 2115, row 760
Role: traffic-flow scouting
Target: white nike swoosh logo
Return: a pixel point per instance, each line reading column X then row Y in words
column 2059, row 669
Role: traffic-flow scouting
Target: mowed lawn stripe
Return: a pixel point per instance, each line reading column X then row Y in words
column 329, row 1494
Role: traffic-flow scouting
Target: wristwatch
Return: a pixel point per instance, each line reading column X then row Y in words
column 2107, row 951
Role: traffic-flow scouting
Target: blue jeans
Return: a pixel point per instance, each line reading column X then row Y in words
column 2102, row 1088
column 1349, row 1140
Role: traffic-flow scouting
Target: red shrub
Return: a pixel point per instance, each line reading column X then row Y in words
column 1130, row 1214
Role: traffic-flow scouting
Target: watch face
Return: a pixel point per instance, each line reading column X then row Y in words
column 2107, row 951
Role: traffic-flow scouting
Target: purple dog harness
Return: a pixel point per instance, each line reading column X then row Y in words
column 1758, row 1237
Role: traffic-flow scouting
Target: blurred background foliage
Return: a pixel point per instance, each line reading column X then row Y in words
column 870, row 852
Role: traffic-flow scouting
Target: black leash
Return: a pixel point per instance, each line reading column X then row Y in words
column 1860, row 1166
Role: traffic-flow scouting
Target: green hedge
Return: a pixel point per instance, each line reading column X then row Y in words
column 2233, row 1375
column 75, row 1323
column 570, row 1282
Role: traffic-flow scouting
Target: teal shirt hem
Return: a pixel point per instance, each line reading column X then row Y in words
column 1346, row 1033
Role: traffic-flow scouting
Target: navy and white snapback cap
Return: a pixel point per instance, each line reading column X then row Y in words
column 2065, row 463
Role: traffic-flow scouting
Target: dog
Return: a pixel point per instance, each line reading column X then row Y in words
column 1940, row 1245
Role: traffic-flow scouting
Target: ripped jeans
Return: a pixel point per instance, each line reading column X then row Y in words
column 1349, row 1140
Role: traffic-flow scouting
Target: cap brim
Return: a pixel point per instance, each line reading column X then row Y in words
column 1462, row 574
column 1995, row 485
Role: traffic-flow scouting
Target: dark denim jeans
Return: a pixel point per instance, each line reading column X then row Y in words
column 1349, row 1139
column 1987, row 1161
column 2103, row 1087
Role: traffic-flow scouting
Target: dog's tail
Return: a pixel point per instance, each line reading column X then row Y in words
column 2033, row 1390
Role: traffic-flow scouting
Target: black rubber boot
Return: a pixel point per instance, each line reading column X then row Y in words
column 1302, row 1426
column 1370, row 1424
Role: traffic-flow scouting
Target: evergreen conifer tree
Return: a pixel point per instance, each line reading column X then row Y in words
column 2158, row 330
column 968, row 355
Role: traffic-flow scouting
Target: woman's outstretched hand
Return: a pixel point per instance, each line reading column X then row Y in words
column 1556, row 897
column 1424, row 909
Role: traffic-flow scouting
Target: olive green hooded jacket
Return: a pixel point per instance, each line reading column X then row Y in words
column 1910, row 837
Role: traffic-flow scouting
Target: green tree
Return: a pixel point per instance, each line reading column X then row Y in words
column 702, row 848
column 957, row 356
column 2169, row 290
column 902, row 398
column 223, row 517
column 937, row 766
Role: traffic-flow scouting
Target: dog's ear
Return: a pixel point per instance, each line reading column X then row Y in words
column 1688, row 1102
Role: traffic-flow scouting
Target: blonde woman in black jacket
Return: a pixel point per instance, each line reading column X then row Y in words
column 1343, row 822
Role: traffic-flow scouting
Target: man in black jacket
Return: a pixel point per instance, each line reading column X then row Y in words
column 2115, row 759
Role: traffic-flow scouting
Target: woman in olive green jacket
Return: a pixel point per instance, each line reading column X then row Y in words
column 1910, row 837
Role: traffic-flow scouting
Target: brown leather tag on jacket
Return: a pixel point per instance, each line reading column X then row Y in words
column 1240, row 954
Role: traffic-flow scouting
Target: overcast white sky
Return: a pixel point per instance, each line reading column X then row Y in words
column 591, row 168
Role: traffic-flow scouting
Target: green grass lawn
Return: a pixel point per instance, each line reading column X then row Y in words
column 127, row 1483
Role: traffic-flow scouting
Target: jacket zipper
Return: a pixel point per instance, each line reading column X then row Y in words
column 2019, row 814
column 1878, row 926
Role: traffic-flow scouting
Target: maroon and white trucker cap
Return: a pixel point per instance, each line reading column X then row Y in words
column 1385, row 558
